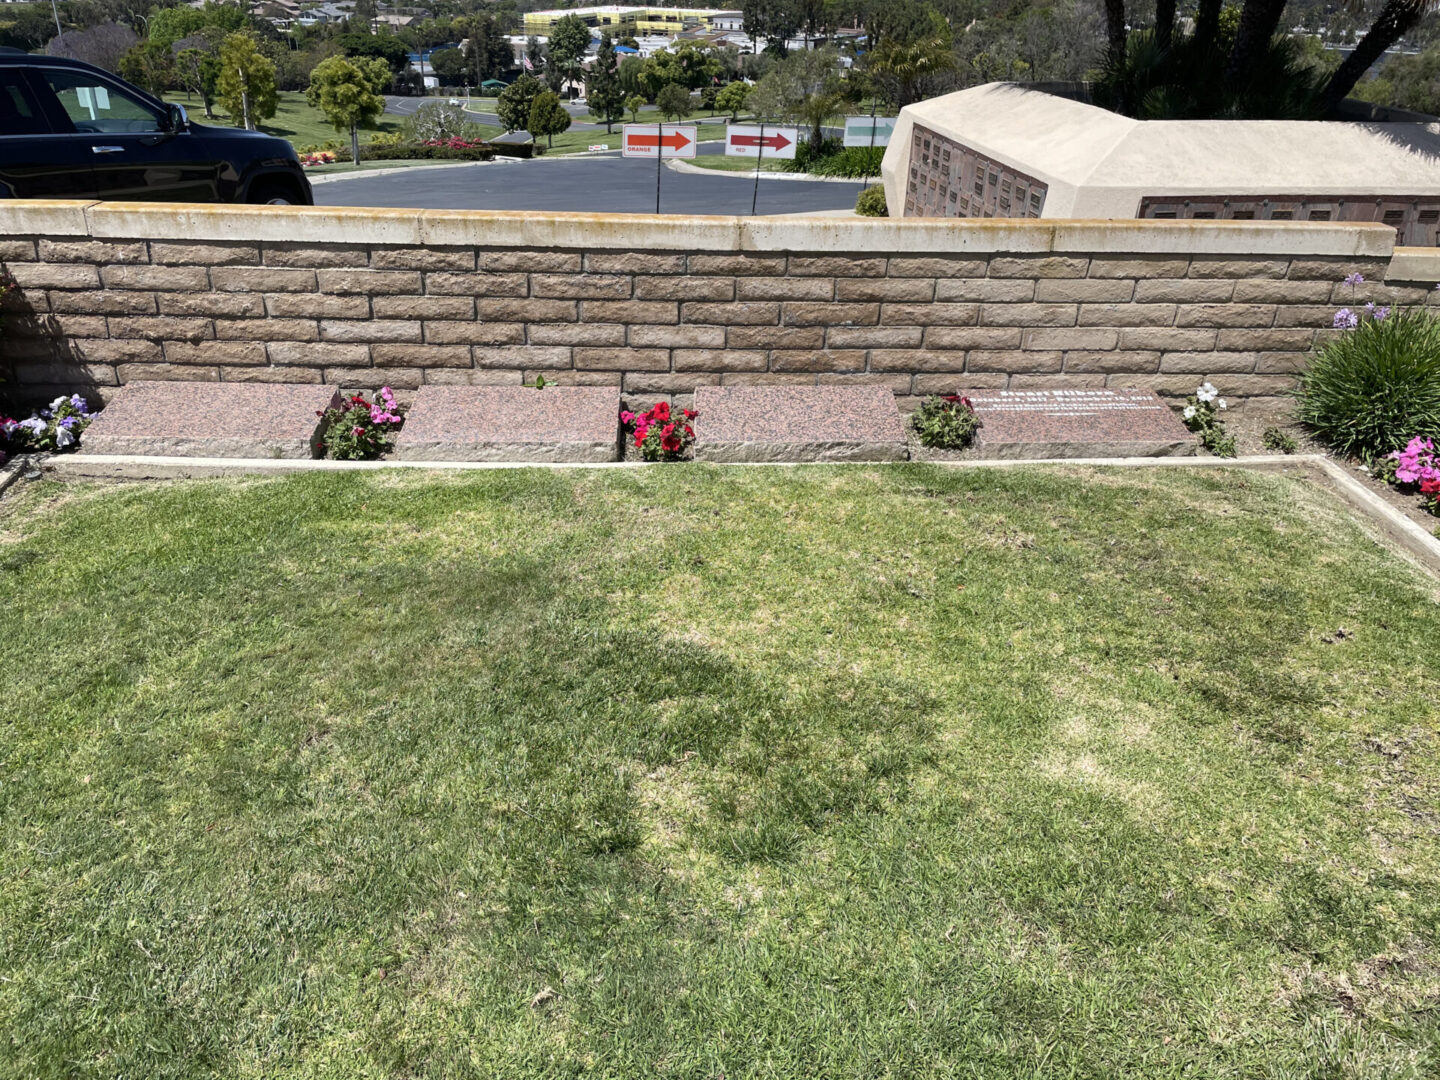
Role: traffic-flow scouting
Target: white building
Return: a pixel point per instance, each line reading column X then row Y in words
column 1007, row 151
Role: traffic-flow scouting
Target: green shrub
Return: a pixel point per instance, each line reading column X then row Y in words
column 1372, row 389
column 852, row 163
column 946, row 423
column 808, row 154
column 422, row 152
column 871, row 202
column 1279, row 440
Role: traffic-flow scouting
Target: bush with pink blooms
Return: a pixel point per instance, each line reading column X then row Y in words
column 1415, row 470
column 360, row 430
column 659, row 435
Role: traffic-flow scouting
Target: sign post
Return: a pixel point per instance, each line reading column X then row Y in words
column 652, row 140
column 760, row 141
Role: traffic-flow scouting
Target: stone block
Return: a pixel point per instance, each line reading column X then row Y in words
column 847, row 360
column 622, row 359
column 737, row 264
column 632, row 311
column 1024, row 361
column 262, row 279
column 422, row 307
column 685, row 288
column 836, row 266
column 938, row 266
column 874, row 337
column 500, row 310
column 783, row 288
column 775, row 337
column 216, row 352
column 751, row 313
column 581, row 333
column 677, row 337
column 185, row 419
column 1204, row 363
column 103, row 303
column 421, row 356
column 1027, row 315
column 581, row 286
column 225, row 305
column 317, row 306
column 803, row 314
column 1071, row 337
column 721, row 360
column 1138, row 361
column 903, row 290
column 929, row 314
column 815, row 423
column 1138, row 266
column 1184, row 291
column 371, row 330
column 973, row 337
column 482, row 284
column 633, row 262
column 1069, row 423
column 273, row 329
column 201, row 254
column 546, row 357
column 916, row 360
column 306, row 255
column 1221, row 315
column 1039, row 266
column 427, row 258
column 1122, row 315
column 365, row 282
column 1085, row 290
column 980, row 290
column 504, row 423
column 188, row 278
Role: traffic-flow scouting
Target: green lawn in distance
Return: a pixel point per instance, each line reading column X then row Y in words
column 696, row 771
column 295, row 119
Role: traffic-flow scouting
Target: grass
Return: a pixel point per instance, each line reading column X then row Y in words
column 297, row 120
column 692, row 772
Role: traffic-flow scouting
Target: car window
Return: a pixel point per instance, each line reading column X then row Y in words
column 20, row 113
column 96, row 105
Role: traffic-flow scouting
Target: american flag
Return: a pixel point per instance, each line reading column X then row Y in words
column 528, row 65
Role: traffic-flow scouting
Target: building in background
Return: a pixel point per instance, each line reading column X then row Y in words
column 1004, row 150
column 624, row 21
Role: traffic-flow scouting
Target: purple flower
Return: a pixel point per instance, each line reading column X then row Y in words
column 1380, row 314
column 67, row 423
column 1358, row 278
column 1345, row 319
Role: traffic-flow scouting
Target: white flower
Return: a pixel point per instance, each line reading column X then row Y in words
column 1207, row 392
column 63, row 437
column 34, row 424
column 1189, row 412
column 58, row 402
column 1220, row 404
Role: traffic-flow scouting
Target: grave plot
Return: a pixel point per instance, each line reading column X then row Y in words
column 206, row 419
column 1077, row 424
column 512, row 423
column 789, row 423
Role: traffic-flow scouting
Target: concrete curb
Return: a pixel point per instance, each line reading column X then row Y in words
column 331, row 178
column 1394, row 528
column 697, row 170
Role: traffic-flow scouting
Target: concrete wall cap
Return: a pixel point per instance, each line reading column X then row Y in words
column 1415, row 264
column 43, row 217
column 697, row 233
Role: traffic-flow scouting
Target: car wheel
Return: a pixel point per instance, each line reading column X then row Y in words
column 273, row 195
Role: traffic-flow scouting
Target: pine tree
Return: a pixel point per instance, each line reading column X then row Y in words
column 602, row 89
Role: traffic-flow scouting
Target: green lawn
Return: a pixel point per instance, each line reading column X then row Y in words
column 295, row 119
column 702, row 772
column 579, row 141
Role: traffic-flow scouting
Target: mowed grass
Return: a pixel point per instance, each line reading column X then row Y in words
column 696, row 772
column 295, row 120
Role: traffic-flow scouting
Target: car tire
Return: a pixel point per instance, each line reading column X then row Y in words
column 273, row 193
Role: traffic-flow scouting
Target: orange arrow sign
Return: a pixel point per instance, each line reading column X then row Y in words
column 674, row 141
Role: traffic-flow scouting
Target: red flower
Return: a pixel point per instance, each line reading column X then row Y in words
column 669, row 441
column 661, row 411
column 689, row 414
column 1430, row 487
column 689, row 431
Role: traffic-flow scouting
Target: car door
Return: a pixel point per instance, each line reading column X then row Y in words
column 133, row 152
column 36, row 160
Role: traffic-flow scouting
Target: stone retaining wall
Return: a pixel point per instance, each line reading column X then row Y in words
column 111, row 292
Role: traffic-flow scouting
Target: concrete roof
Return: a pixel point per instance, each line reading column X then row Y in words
column 1097, row 163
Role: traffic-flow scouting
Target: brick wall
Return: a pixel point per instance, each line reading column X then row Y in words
column 372, row 298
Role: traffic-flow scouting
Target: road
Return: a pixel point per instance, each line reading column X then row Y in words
column 602, row 183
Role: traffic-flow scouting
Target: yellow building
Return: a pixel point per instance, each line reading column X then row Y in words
column 626, row 21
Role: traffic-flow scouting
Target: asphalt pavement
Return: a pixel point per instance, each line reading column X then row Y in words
column 599, row 183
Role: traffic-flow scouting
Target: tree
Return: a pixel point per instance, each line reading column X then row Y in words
column 197, row 66
column 149, row 66
column 376, row 46
column 774, row 20
column 246, row 81
column 27, row 28
column 169, row 25
column 630, row 70
column 436, row 120
column 101, row 45
column 732, row 98
column 346, row 92
column 673, row 100
column 534, row 56
column 450, row 66
column 513, row 104
column 633, row 105
column 684, row 63
column 804, row 87
column 569, row 42
column 364, row 15
column 1395, row 20
column 548, row 117
column 602, row 89
column 487, row 51
column 906, row 72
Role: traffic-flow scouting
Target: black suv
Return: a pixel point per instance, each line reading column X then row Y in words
column 72, row 131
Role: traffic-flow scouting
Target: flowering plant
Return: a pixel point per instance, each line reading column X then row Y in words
column 1202, row 416
column 947, row 423
column 360, row 430
column 1415, row 467
column 659, row 436
column 55, row 427
column 319, row 157
column 455, row 142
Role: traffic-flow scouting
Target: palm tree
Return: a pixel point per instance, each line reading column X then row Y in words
column 1395, row 20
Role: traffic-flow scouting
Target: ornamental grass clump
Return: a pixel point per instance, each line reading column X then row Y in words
column 1202, row 416
column 360, row 430
column 946, row 423
column 659, row 436
column 1376, row 385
